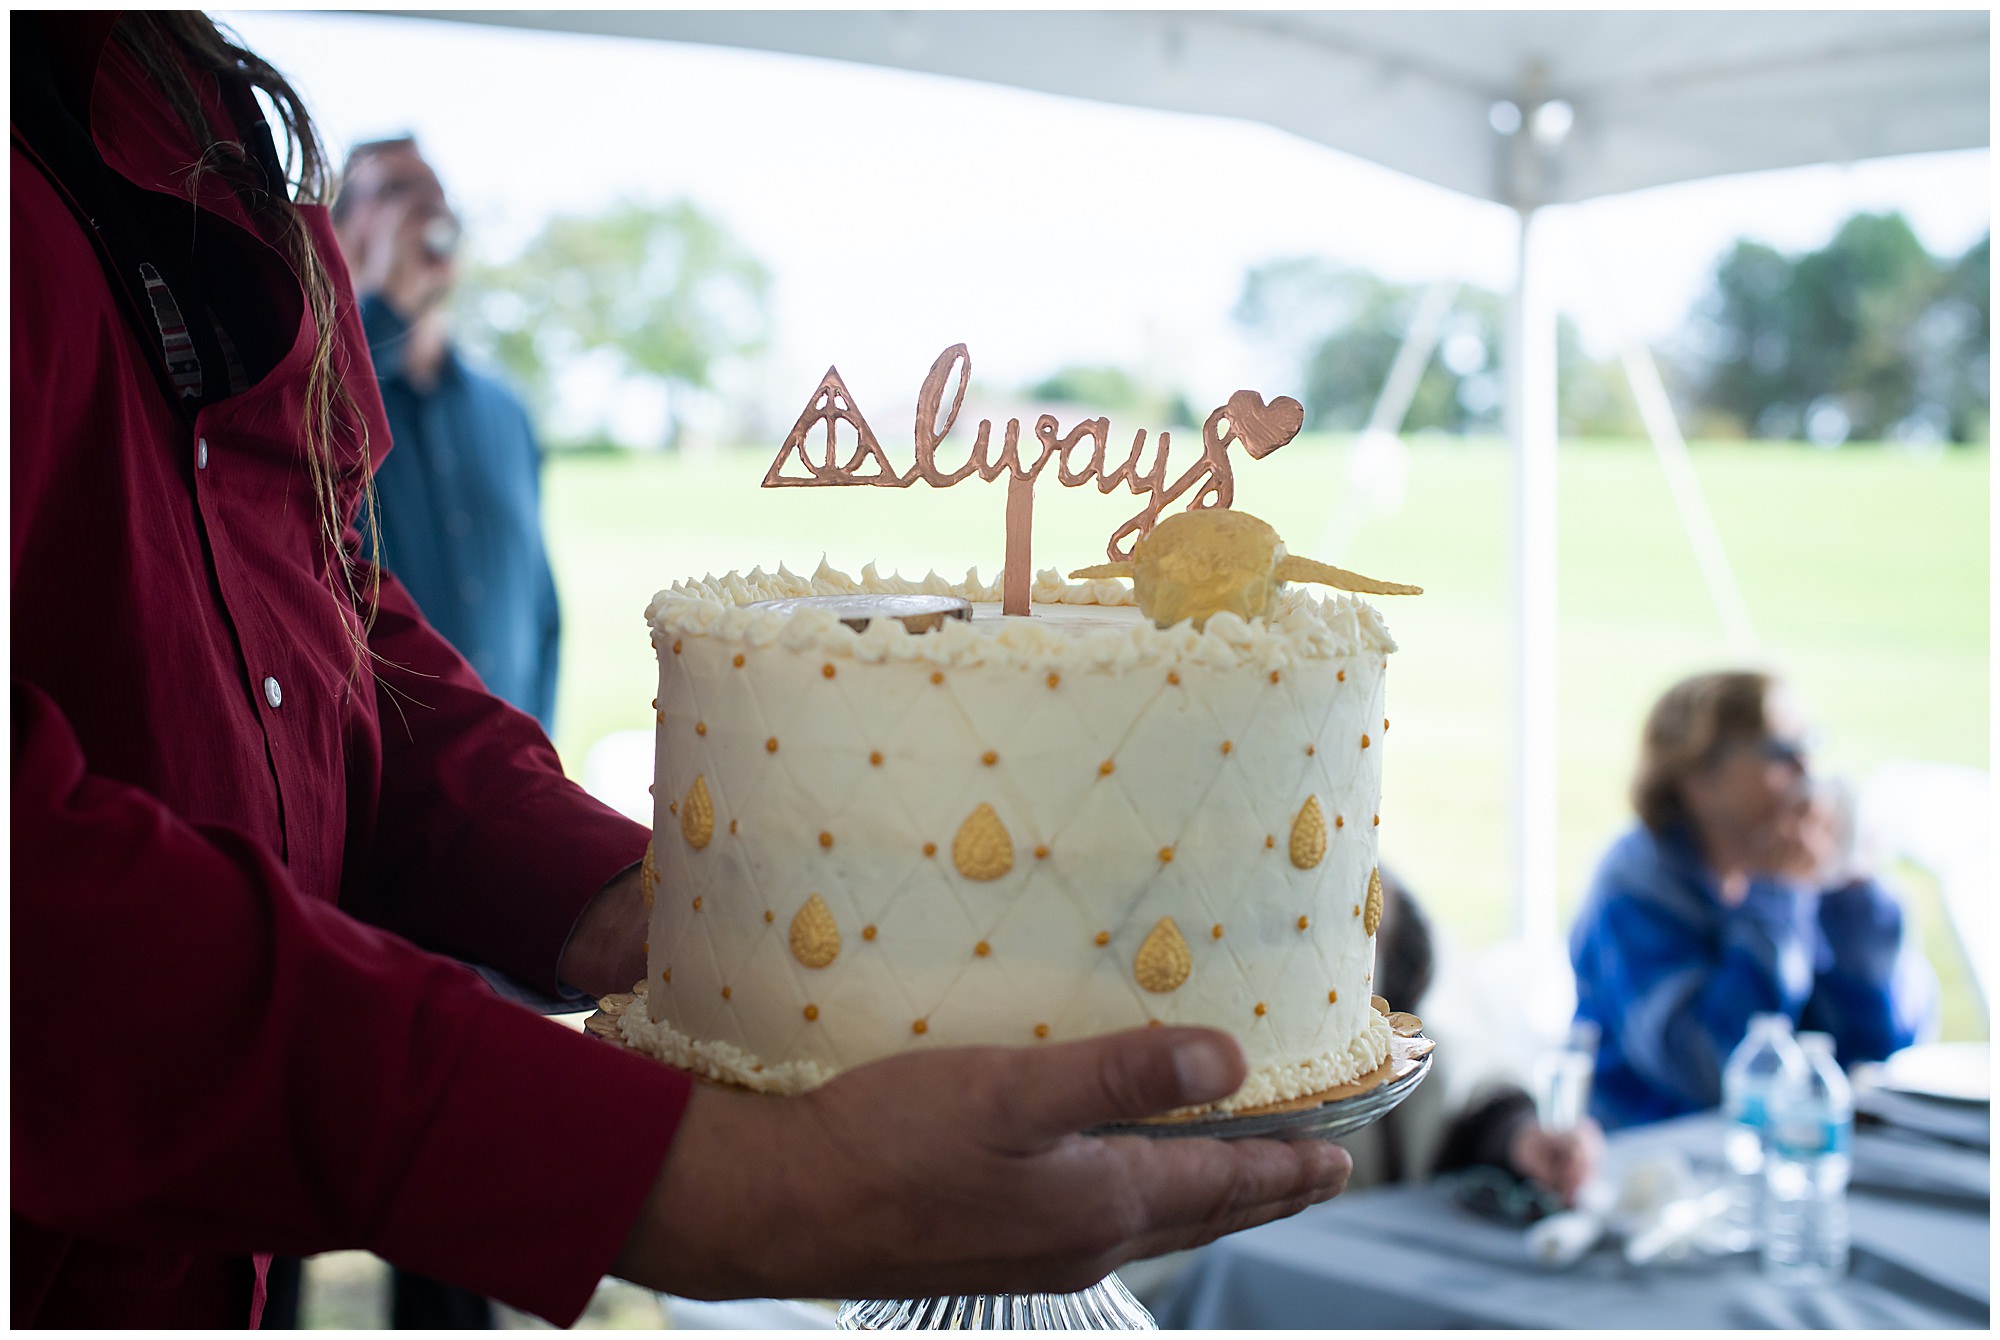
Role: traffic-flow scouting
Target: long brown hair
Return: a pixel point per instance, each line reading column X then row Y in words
column 1689, row 728
column 170, row 43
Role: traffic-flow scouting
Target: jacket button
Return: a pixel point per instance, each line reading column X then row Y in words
column 274, row 692
column 201, row 454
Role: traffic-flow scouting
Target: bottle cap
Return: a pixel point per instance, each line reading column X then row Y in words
column 1816, row 1043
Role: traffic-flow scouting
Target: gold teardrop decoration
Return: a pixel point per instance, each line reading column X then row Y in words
column 1162, row 962
column 1371, row 912
column 649, row 875
column 698, row 815
column 983, row 849
column 1308, row 835
column 815, row 938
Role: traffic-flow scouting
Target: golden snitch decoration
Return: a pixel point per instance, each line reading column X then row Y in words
column 1194, row 564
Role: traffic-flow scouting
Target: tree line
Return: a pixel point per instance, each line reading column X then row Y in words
column 1869, row 337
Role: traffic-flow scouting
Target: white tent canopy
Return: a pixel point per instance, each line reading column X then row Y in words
column 1526, row 109
column 1656, row 97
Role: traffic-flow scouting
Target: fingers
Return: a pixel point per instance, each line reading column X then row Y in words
column 1049, row 1092
column 1206, row 1189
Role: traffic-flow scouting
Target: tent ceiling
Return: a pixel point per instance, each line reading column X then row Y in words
column 1658, row 97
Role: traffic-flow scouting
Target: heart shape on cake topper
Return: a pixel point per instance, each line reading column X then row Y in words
column 1263, row 428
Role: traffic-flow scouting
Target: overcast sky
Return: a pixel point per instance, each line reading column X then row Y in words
column 1037, row 229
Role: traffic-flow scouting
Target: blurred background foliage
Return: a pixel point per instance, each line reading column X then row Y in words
column 1868, row 338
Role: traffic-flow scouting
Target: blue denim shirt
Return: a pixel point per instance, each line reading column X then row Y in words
column 1671, row 975
column 460, row 509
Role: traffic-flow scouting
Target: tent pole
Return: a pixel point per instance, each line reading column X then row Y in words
column 1531, row 431
column 1696, row 520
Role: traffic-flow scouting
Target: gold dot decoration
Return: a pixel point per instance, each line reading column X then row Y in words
column 649, row 874
column 698, row 815
column 697, row 902
column 1308, row 835
column 983, row 848
column 1156, row 1023
column 920, row 1028
column 1041, row 1030
column 1339, row 822
column 1042, row 853
column 677, row 646
column 1260, row 1009
column 982, row 949
column 737, row 661
column 930, row 849
column 1106, row 768
column 1371, row 916
column 1102, row 938
column 868, row 932
column 1364, row 742
column 815, row 939
column 725, row 993
column 1378, row 821
column 1173, row 676
column 1274, row 676
column 732, row 828
column 1270, row 841
column 1215, row 931
column 1166, row 855
column 769, row 916
column 989, row 758
column 667, row 976
column 825, row 839
column 1385, row 725
column 1163, row 961
column 1304, row 922
column 1228, row 746
column 1340, row 675
column 1332, row 997
column 701, row 728
column 771, row 745
column 875, row 758
column 811, row 1013
column 659, row 718
column 827, row 669
column 937, row 676
column 1054, row 679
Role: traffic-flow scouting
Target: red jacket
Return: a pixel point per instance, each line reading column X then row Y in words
column 230, row 853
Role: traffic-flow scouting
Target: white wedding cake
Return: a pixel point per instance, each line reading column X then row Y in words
column 1012, row 831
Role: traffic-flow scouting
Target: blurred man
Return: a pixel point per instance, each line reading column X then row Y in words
column 460, row 495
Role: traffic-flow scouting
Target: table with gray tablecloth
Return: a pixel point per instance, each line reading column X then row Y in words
column 1407, row 1256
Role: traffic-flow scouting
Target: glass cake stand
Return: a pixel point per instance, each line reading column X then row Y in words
column 1108, row 1305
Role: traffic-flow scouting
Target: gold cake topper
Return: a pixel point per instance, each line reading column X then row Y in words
column 1261, row 427
column 1201, row 563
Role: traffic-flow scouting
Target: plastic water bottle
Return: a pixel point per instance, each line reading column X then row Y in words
column 1766, row 1055
column 1805, row 1177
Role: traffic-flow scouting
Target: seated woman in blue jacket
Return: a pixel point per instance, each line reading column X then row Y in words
column 1732, row 897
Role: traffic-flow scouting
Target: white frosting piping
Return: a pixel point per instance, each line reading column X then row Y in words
column 1302, row 627
column 722, row 1061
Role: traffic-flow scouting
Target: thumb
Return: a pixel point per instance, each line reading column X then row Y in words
column 1056, row 1091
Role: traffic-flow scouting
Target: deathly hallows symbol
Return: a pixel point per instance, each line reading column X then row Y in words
column 832, row 404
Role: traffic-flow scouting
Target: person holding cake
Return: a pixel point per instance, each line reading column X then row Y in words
column 256, row 798
column 1733, row 896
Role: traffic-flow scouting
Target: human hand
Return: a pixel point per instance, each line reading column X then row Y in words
column 1801, row 843
column 1562, row 1161
column 606, row 952
column 962, row 1171
column 387, row 253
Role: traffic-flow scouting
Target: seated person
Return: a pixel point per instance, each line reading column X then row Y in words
column 1734, row 895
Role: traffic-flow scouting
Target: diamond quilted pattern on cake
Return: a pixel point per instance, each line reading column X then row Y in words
column 883, row 757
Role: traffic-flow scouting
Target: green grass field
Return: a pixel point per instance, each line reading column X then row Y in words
column 1865, row 571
